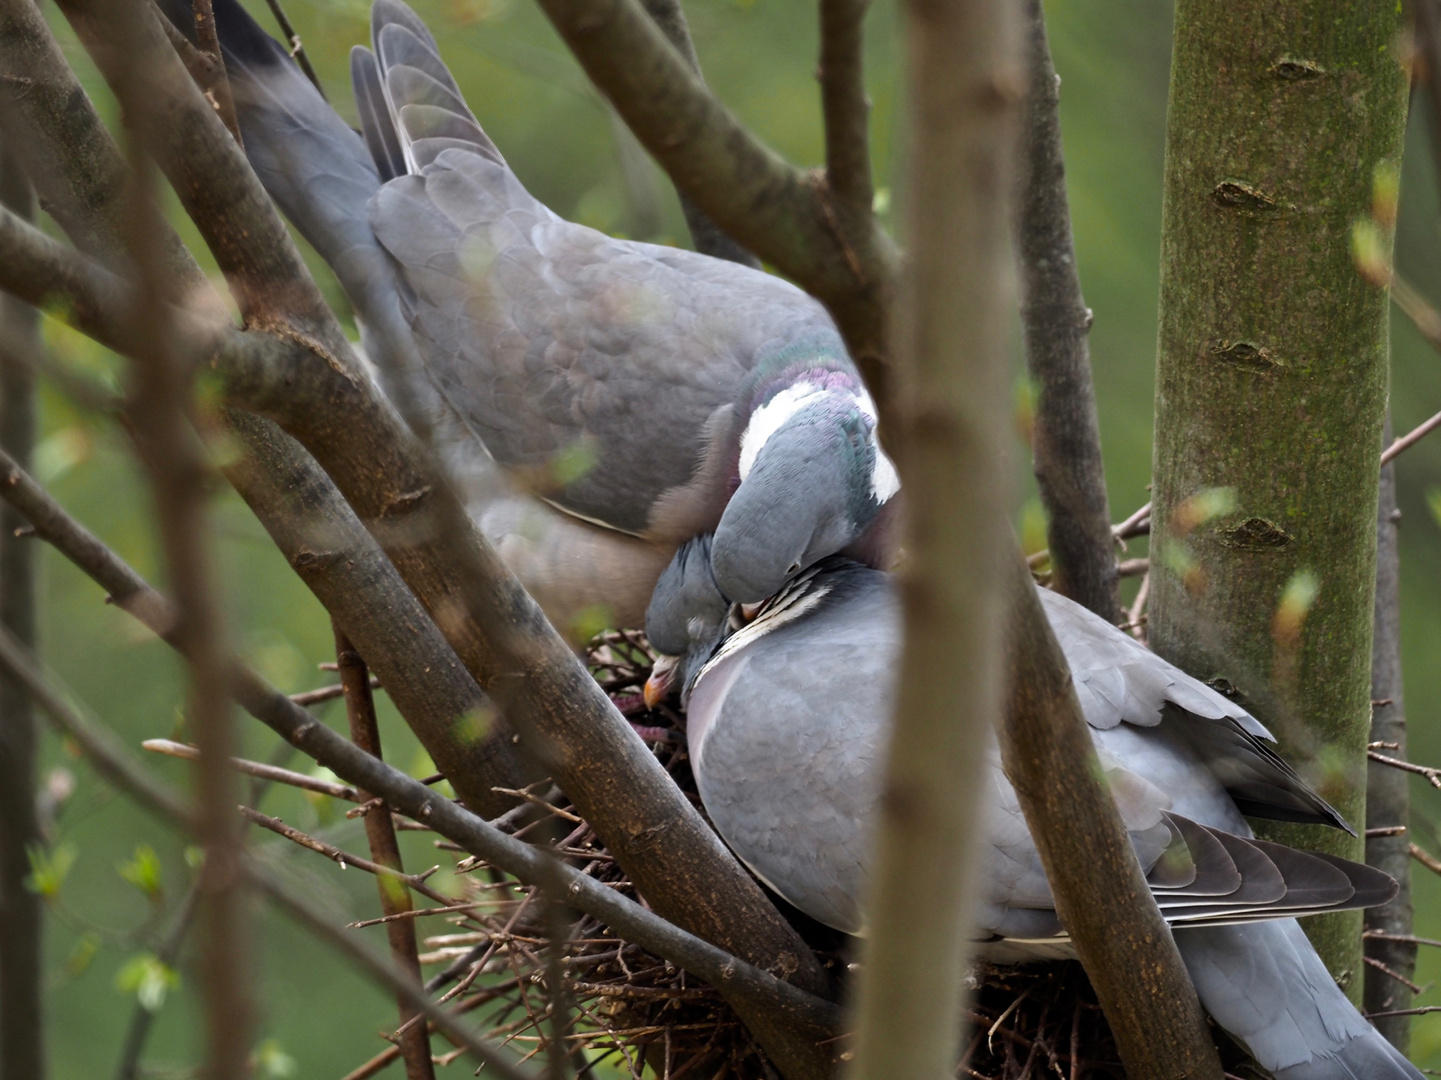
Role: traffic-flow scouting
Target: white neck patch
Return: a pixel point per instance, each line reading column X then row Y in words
column 770, row 417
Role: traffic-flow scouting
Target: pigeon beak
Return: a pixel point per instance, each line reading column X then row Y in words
column 657, row 687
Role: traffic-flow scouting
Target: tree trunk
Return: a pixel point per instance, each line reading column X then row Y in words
column 1272, row 381
column 1387, row 790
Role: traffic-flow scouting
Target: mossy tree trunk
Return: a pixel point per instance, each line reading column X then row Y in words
column 1272, row 380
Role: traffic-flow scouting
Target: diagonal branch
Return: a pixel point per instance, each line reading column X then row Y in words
column 380, row 832
column 1132, row 961
column 844, row 103
column 709, row 238
column 767, row 204
column 1066, row 450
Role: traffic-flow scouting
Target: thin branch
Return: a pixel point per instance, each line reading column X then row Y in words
column 1424, row 857
column 709, row 238
column 1432, row 775
column 1395, row 976
column 258, row 769
column 96, row 742
column 1388, row 799
column 142, row 1017
column 1066, row 444
column 844, row 104
column 380, row 832
column 1411, row 939
column 1424, row 1010
column 292, row 39
column 1411, row 438
column 307, row 698
column 344, row 859
column 216, row 86
column 22, row 1031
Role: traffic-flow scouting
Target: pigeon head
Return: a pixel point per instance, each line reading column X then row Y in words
column 687, row 620
column 812, row 477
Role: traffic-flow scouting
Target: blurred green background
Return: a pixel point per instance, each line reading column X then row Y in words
column 319, row 1019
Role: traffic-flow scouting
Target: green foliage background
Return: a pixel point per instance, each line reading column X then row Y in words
column 317, row 1019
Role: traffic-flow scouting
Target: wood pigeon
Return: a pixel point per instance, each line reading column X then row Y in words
column 786, row 719
column 646, row 393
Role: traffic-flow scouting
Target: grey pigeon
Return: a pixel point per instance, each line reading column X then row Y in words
column 786, row 718
column 647, row 393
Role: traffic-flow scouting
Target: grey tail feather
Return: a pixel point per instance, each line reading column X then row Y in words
column 375, row 123
column 424, row 111
column 1240, row 879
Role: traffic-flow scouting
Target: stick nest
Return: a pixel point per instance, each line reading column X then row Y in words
column 641, row 1014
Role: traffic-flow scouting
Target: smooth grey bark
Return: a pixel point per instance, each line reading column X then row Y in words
column 1066, row 444
column 1388, row 802
column 22, row 1032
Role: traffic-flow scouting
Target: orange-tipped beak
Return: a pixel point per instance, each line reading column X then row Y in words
column 657, row 687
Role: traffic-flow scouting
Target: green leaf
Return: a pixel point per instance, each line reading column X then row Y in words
column 48, row 868
column 143, row 871
column 1433, row 501
column 147, row 977
column 83, row 952
column 272, row 1062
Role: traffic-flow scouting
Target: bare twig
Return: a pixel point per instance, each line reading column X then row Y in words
column 217, row 87
column 1387, row 790
column 1415, row 435
column 292, row 39
column 259, row 770
column 344, row 859
column 22, row 1042
column 1066, row 444
column 1395, row 976
column 1377, row 935
column 1432, row 775
column 1424, row 857
column 307, row 698
column 365, row 733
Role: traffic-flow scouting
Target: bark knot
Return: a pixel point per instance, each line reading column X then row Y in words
column 1239, row 195
column 1291, row 69
column 1244, row 354
column 1256, row 534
